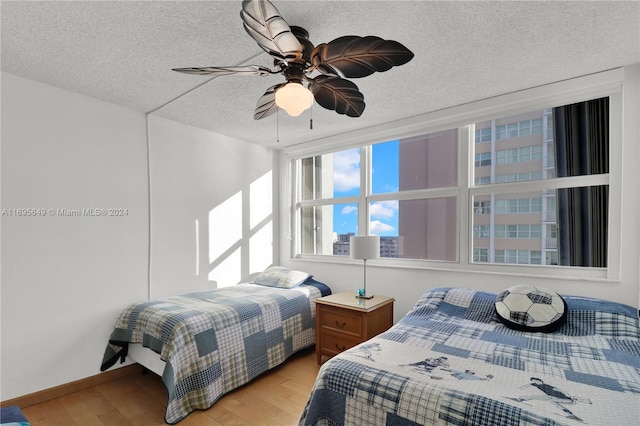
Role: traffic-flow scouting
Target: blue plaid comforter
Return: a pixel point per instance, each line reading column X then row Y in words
column 450, row 362
column 218, row 340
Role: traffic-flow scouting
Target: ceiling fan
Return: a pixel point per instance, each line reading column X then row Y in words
column 311, row 72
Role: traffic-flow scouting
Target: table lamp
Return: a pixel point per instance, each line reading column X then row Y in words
column 364, row 247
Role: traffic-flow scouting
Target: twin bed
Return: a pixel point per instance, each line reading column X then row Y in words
column 206, row 344
column 448, row 361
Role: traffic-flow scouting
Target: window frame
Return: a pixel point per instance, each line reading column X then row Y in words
column 605, row 84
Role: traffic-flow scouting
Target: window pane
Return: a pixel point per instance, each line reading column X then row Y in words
column 309, row 167
column 526, row 230
column 326, row 229
column 482, row 135
column 535, row 231
column 331, row 175
column 536, row 153
column 420, row 162
column 537, row 126
column 536, row 205
column 481, row 207
column 535, row 258
column 509, row 150
column 427, row 229
column 386, row 167
column 383, row 218
column 480, row 255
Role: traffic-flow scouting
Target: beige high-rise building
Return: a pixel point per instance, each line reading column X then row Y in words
column 507, row 228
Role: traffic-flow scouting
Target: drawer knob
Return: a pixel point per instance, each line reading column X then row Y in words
column 341, row 324
column 341, row 348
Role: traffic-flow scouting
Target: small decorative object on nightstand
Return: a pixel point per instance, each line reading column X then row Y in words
column 364, row 247
column 343, row 321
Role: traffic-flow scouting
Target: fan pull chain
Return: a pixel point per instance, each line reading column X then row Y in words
column 311, row 118
column 277, row 125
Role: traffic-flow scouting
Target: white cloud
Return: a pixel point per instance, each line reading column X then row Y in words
column 346, row 170
column 377, row 227
column 384, row 209
column 349, row 209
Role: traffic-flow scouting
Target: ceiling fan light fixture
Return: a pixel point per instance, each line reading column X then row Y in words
column 294, row 98
column 295, row 57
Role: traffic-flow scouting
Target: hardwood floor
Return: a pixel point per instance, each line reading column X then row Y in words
column 275, row 398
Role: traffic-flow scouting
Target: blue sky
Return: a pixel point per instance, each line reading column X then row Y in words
column 346, row 180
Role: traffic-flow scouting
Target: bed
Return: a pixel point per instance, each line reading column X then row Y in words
column 449, row 361
column 209, row 343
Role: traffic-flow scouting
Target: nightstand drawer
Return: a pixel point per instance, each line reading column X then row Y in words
column 332, row 344
column 342, row 321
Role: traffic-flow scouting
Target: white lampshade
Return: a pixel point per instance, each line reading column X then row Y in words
column 294, row 98
column 364, row 247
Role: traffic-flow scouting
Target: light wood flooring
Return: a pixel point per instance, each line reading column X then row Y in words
column 275, row 398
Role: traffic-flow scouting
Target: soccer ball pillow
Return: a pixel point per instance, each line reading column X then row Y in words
column 531, row 308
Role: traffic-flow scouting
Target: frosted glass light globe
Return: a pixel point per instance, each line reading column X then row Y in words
column 294, row 98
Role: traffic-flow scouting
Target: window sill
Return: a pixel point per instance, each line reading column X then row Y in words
column 598, row 275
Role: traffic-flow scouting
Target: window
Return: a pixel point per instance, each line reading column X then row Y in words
column 483, row 135
column 513, row 130
column 407, row 195
column 516, row 155
column 519, row 257
column 342, row 188
column 581, row 211
column 524, row 205
column 482, row 207
column 480, row 255
column 483, row 159
column 450, row 197
column 516, row 177
column 514, row 231
column 481, row 231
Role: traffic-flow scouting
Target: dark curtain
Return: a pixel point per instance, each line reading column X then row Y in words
column 582, row 148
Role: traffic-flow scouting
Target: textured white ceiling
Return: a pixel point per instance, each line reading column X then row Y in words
column 123, row 52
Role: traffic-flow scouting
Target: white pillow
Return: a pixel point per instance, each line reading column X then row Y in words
column 281, row 277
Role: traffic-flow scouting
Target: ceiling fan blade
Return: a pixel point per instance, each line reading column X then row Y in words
column 245, row 70
column 355, row 56
column 337, row 94
column 267, row 103
column 263, row 23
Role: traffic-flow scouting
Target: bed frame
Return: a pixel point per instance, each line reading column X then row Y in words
column 146, row 358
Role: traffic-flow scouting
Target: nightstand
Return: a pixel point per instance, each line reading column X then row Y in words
column 343, row 321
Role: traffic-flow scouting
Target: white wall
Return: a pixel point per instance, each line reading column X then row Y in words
column 65, row 279
column 406, row 284
column 211, row 208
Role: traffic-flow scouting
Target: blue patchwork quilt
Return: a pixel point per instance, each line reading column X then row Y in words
column 449, row 361
column 215, row 341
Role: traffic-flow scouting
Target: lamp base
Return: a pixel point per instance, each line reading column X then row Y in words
column 364, row 297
